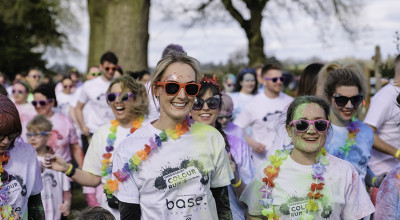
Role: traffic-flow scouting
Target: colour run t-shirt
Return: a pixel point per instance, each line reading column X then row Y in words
column 174, row 181
column 54, row 184
column 24, row 177
column 344, row 195
column 359, row 155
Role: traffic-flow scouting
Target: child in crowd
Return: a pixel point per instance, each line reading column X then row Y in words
column 56, row 195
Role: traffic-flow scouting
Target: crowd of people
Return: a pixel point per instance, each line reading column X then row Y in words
column 176, row 144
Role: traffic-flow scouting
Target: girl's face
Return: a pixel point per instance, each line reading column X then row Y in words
column 206, row 115
column 311, row 140
column 120, row 108
column 43, row 104
column 344, row 113
column 19, row 93
column 67, row 86
column 248, row 83
column 176, row 107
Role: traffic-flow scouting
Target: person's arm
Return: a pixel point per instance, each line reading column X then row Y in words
column 35, row 208
column 129, row 211
column 77, row 153
column 381, row 145
column 82, row 177
column 257, row 147
column 236, row 182
column 79, row 117
column 66, row 205
column 221, row 197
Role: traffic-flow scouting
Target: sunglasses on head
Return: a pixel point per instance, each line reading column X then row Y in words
column 212, row 103
column 31, row 135
column 95, row 74
column 302, row 125
column 342, row 101
column 109, row 68
column 172, row 88
column 41, row 102
column 275, row 79
column 111, row 97
column 227, row 117
column 17, row 91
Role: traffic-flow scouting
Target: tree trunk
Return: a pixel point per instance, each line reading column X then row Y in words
column 97, row 17
column 251, row 27
column 127, row 32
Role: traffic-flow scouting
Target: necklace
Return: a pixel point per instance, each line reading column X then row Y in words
column 272, row 171
column 132, row 165
column 106, row 162
column 5, row 209
column 353, row 129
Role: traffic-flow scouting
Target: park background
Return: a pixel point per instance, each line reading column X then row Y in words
column 58, row 35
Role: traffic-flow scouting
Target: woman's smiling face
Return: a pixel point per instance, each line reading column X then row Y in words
column 176, row 107
column 309, row 141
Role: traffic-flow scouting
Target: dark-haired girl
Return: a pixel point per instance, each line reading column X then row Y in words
column 206, row 109
column 21, row 182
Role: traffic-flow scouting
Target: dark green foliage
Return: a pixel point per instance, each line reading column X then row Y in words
column 28, row 27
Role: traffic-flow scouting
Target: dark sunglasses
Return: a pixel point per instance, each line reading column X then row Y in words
column 227, row 117
column 109, row 68
column 18, row 91
column 11, row 136
column 212, row 103
column 172, row 88
column 111, row 97
column 303, row 125
column 4, row 176
column 342, row 101
column 41, row 102
column 35, row 76
column 95, row 74
column 31, row 135
column 275, row 79
column 68, row 86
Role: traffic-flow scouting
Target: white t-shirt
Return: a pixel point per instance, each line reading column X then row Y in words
column 54, row 184
column 174, row 181
column 93, row 95
column 345, row 196
column 240, row 100
column 64, row 102
column 241, row 155
column 94, row 156
column 384, row 115
column 263, row 115
column 24, row 177
column 63, row 135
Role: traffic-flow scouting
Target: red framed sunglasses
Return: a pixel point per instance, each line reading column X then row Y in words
column 172, row 88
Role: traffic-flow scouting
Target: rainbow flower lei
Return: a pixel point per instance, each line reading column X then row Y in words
column 272, row 171
column 133, row 163
column 106, row 162
column 353, row 128
column 6, row 211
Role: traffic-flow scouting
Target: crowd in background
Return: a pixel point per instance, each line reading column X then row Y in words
column 252, row 151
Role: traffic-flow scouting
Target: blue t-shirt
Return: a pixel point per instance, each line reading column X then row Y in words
column 359, row 154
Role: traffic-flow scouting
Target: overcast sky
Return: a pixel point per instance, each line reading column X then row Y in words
column 297, row 40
